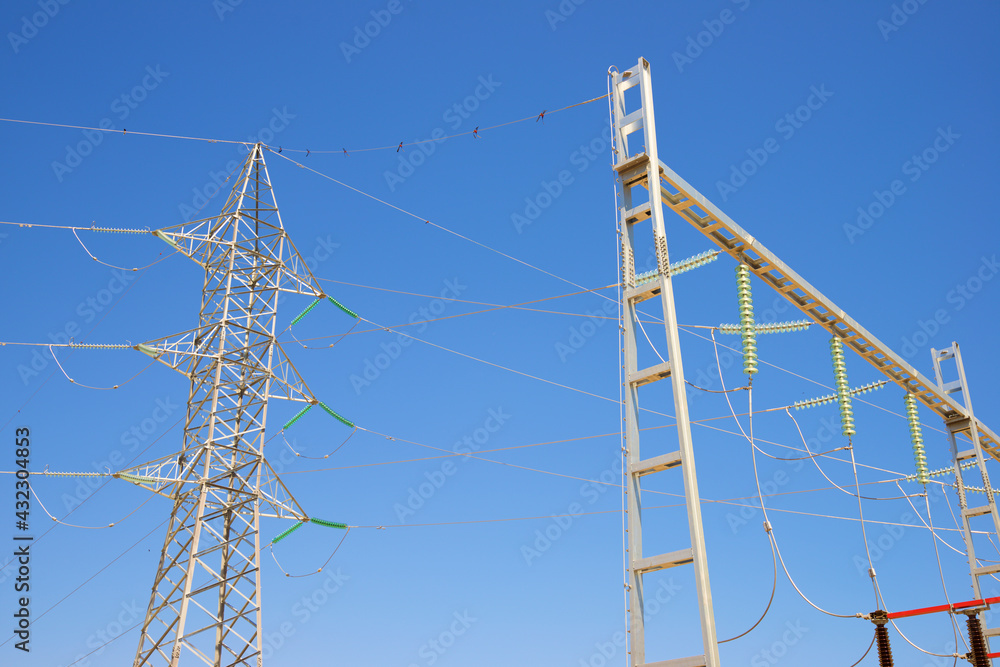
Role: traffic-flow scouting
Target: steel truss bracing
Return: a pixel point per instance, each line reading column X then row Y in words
column 632, row 168
column 205, row 606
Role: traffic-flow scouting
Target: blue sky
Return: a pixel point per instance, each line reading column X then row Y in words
column 878, row 195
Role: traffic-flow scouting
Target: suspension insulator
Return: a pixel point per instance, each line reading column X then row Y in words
column 747, row 329
column 767, row 328
column 99, row 346
column 977, row 643
column 343, row 420
column 344, row 308
column 115, row 230
column 299, row 415
column 306, row 311
column 950, row 470
column 285, row 533
column 823, row 400
column 917, row 438
column 843, row 389
column 783, row 327
column 689, row 263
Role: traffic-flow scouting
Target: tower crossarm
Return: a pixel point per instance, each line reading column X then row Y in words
column 185, row 350
column 177, row 473
column 707, row 218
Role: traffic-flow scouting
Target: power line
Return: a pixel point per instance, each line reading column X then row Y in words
column 125, row 133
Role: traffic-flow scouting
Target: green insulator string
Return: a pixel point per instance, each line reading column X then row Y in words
column 783, row 327
column 814, row 402
column 342, row 307
column 306, row 311
column 285, row 533
column 99, row 346
column 167, row 238
column 120, row 231
column 328, row 524
column 137, row 479
column 341, row 419
column 829, row 398
column 917, row 438
column 680, row 267
column 843, row 390
column 701, row 259
column 747, row 328
column 148, row 351
column 768, row 328
column 950, row 470
column 299, row 415
column 69, row 474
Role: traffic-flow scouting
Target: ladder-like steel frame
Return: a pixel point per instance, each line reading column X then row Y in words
column 645, row 165
column 968, row 425
column 664, row 186
column 707, row 218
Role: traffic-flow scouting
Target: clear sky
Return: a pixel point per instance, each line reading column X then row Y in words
column 879, row 194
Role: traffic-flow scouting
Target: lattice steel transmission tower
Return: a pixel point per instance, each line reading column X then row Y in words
column 205, row 606
column 640, row 201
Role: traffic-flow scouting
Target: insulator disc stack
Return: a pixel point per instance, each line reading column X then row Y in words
column 843, row 389
column 747, row 329
column 917, row 438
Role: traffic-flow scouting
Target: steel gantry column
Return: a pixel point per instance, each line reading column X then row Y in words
column 969, row 458
column 634, row 170
column 205, row 606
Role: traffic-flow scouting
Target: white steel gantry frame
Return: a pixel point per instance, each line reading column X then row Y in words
column 666, row 187
column 959, row 459
column 633, row 169
column 205, row 606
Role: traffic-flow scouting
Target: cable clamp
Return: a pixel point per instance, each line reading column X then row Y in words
column 767, row 526
column 871, row 572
